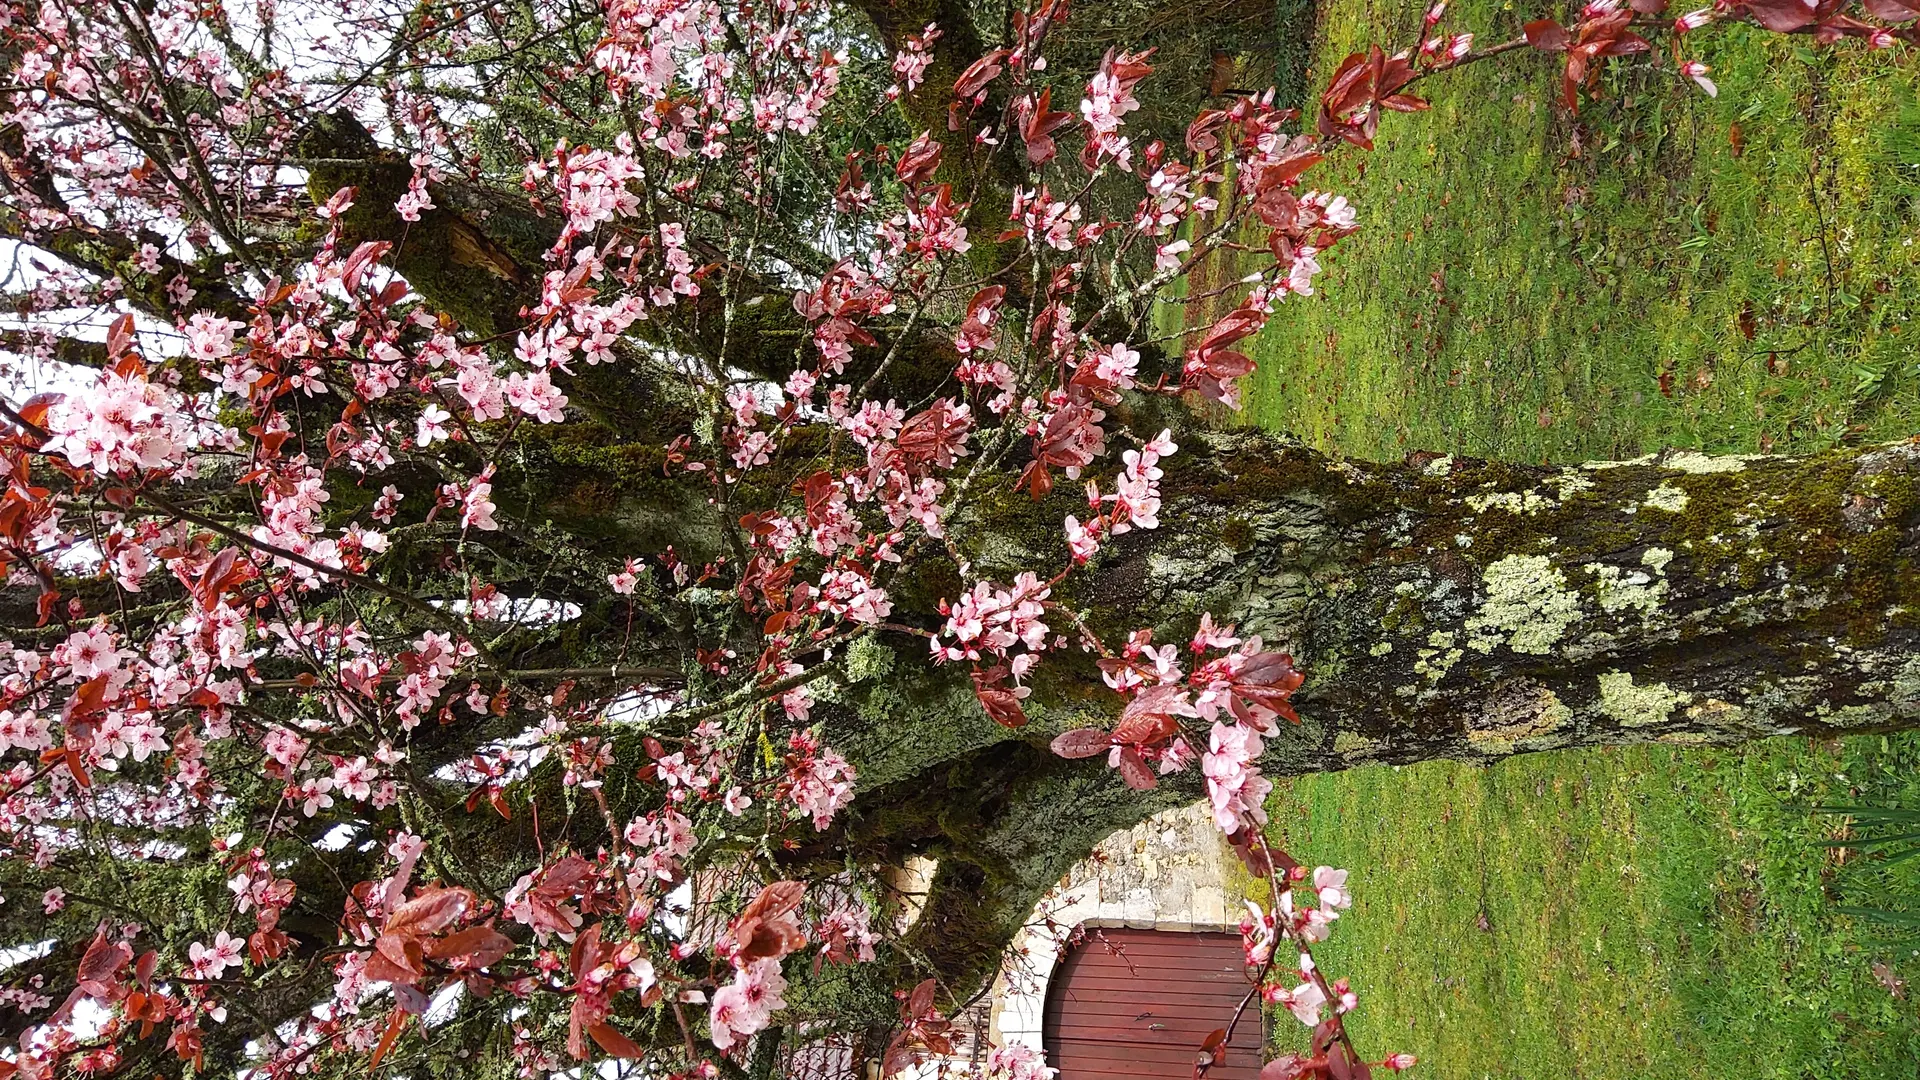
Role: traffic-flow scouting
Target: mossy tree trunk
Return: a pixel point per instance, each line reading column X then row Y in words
column 1442, row 608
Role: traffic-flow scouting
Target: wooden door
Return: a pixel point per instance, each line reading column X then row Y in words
column 1137, row 1004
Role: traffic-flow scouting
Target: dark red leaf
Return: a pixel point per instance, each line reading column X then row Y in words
column 613, row 1042
column 1041, row 122
column 1203, row 135
column 474, row 947
column 120, row 337
column 1288, row 1067
column 1547, row 36
column 1149, row 717
column 1034, row 478
column 586, row 953
column 88, row 698
column 1781, row 16
column 767, row 928
column 979, row 74
column 357, row 263
column 1627, row 45
column 1002, row 706
column 1082, row 743
column 387, row 1038
column 428, row 913
column 917, row 165
column 1893, row 11
column 920, row 1002
column 35, row 410
column 396, row 959
column 1227, row 364
column 1255, row 859
column 1135, row 771
column 143, row 967
column 214, row 578
column 100, row 965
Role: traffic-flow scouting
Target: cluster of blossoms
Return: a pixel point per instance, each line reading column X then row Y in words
column 767, row 930
column 1313, row 999
column 819, row 781
column 911, row 62
column 1133, row 504
column 122, row 423
column 1237, row 686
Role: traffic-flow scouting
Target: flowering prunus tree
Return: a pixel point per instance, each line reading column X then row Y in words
column 536, row 506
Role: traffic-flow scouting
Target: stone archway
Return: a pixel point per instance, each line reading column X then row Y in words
column 1170, row 872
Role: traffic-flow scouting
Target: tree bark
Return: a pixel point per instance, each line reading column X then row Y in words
column 1441, row 608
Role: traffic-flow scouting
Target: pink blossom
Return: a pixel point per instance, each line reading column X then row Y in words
column 130, row 735
column 1081, row 541
column 1304, row 1001
column 1697, row 71
column 1331, row 886
column 384, row 506
column 850, row 593
column 1018, row 1062
column 311, row 794
column 210, row 337
column 1334, row 209
column 354, row 779
column 24, row 730
column 130, row 564
column 821, row 780
column 1109, row 98
column 476, row 506
column 536, row 396
column 911, row 62
column 431, row 425
column 746, row 1005
column 1692, row 20
column 211, row 962
column 415, row 200
column 626, row 578
column 89, row 652
column 1117, row 364
column 1258, row 933
column 481, row 391
column 284, row 747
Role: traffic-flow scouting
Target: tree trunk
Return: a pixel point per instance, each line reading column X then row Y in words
column 1441, row 608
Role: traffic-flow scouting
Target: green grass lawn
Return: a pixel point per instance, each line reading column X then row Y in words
column 1506, row 299
column 1649, row 912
